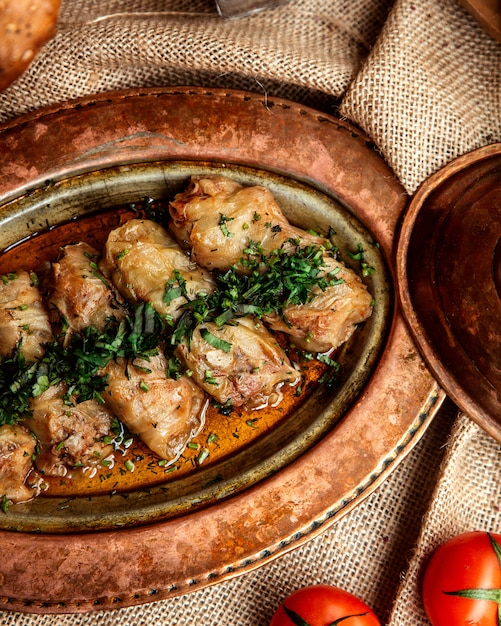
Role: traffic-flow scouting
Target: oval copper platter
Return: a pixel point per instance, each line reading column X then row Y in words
column 152, row 541
column 250, row 444
column 449, row 269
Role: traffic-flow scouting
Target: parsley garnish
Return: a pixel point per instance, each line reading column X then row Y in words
column 268, row 284
column 77, row 364
column 367, row 270
column 175, row 288
column 214, row 341
column 5, row 504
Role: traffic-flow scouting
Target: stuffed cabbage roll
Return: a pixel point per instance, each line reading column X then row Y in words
column 69, row 435
column 165, row 413
column 146, row 264
column 79, row 292
column 330, row 318
column 17, row 447
column 238, row 363
column 216, row 219
column 219, row 220
column 23, row 317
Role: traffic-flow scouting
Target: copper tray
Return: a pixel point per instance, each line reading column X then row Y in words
column 77, row 559
column 449, row 270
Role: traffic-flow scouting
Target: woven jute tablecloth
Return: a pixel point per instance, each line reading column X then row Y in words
column 424, row 81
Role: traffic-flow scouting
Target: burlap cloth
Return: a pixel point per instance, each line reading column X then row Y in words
column 424, row 81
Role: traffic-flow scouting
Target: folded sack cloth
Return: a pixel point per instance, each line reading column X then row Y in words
column 304, row 50
column 466, row 498
column 430, row 90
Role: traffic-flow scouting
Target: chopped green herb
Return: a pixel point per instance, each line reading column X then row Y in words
column 175, row 288
column 329, row 376
column 5, row 503
column 223, row 220
column 174, row 368
column 202, row 456
column 7, row 278
column 212, row 438
column 225, row 409
column 323, row 358
column 209, row 378
column 78, row 364
column 367, row 270
column 359, row 255
column 268, row 285
column 122, row 254
column 42, row 384
column 214, row 341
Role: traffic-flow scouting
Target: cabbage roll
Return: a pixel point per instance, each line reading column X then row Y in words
column 165, row 413
column 216, row 219
column 329, row 319
column 143, row 261
column 79, row 293
column 239, row 363
column 17, row 447
column 23, row 317
column 70, row 435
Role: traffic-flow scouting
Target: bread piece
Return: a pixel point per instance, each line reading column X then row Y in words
column 25, row 25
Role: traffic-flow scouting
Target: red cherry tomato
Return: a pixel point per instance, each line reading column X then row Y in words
column 462, row 581
column 323, row 605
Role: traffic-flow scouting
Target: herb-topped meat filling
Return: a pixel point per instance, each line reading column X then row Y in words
column 69, row 434
column 239, row 363
column 17, row 447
